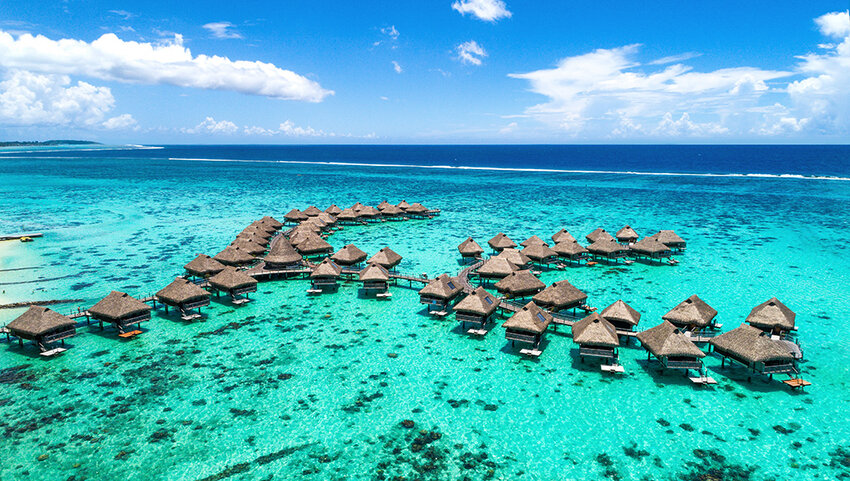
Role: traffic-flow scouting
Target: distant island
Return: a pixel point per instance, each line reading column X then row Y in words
column 47, row 143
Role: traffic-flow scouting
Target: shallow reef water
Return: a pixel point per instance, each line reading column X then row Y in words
column 340, row 386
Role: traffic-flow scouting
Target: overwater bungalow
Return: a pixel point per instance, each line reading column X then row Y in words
column 596, row 337
column 515, row 257
column 318, row 223
column 234, row 256
column 358, row 207
column 469, row 249
column 295, row 216
column 386, row 258
column 476, row 308
column 608, row 249
column 375, row 279
column 669, row 345
column 754, row 348
column 417, row 210
column 527, row 326
column 251, row 232
column 369, row 214
column 251, row 246
column 621, row 315
column 540, row 253
column 533, row 240
column 773, row 316
column 311, row 245
column 440, row 292
column 348, row 216
column 392, row 212
column 43, row 326
column 349, row 255
column 234, row 283
column 203, row 266
column 184, row 295
column 312, row 211
column 500, row 241
column 692, row 314
column 270, row 226
column 328, row 219
column 121, row 310
column 519, row 284
column 403, row 205
column 627, row 235
column 284, row 256
column 560, row 296
column 298, row 234
column 599, row 234
column 269, row 220
column 563, row 236
column 308, row 226
column 333, row 210
column 496, row 268
column 383, row 205
column 671, row 239
column 325, row 276
column 650, row 249
column 571, row 251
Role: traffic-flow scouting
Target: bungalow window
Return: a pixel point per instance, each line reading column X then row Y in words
column 488, row 300
column 541, row 318
column 451, row 286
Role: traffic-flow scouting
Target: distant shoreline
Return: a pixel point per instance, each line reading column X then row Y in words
column 46, row 143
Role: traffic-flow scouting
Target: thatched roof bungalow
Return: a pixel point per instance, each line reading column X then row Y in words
column 520, row 284
column 312, row 245
column 563, row 236
column 312, row 211
column 348, row 216
column 570, row 250
column 560, row 296
column 294, row 216
column 349, row 255
column 184, row 295
column 527, row 325
column 671, row 239
column 386, row 258
column 43, row 326
column 621, row 315
column 599, row 234
column 328, row 219
column 325, row 275
column 234, row 256
column 540, row 253
column 515, row 257
column 374, row 278
column 417, row 210
column 496, row 268
column 772, row 316
column 269, row 220
column 671, row 346
column 392, row 212
column 120, row 310
column 754, row 348
column 440, row 291
column 596, row 337
column 476, row 308
column 403, row 205
column 533, row 241
column 650, row 248
column 203, row 266
column 233, row 282
column 627, row 235
column 500, row 241
column 469, row 249
column 251, row 246
column 333, row 210
column 283, row 255
column 608, row 249
column 692, row 314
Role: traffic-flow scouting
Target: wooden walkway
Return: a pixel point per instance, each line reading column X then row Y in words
column 19, row 236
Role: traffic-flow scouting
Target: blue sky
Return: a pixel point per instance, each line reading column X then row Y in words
column 455, row 71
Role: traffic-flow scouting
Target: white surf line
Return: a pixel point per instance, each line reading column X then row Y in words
column 519, row 169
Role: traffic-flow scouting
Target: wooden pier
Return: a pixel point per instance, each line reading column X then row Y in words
column 20, row 236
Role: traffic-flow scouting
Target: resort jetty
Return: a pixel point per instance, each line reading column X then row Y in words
column 235, row 283
column 470, row 250
column 673, row 349
column 597, row 337
column 439, row 294
column 500, row 241
column 121, row 310
column 44, row 327
column 755, row 350
column 184, row 296
column 527, row 326
column 477, row 308
column 203, row 266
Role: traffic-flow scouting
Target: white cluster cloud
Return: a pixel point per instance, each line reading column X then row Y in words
column 121, row 122
column 212, row 126
column 470, row 52
column 487, row 10
column 222, row 30
column 397, row 67
column 110, row 58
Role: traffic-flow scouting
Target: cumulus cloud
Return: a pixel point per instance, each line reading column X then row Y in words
column 212, row 126
column 487, row 10
column 834, row 24
column 470, row 52
column 222, row 30
column 110, row 58
column 289, row 128
column 121, row 122
column 397, row 67
column 27, row 98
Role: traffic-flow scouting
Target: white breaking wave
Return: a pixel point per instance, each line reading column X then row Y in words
column 519, row 169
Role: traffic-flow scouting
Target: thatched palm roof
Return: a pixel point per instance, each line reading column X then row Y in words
column 283, row 253
column 649, row 246
column 118, row 305
column 269, row 220
column 403, row 205
column 312, row 211
column 772, row 314
column 520, row 284
column 369, row 211
column 593, row 330
column 470, row 248
column 627, row 234
column 666, row 339
column 391, row 210
column 348, row 214
column 38, row 321
column 669, row 237
column 261, row 226
column 569, row 248
column 252, row 231
column 234, row 256
column 479, row 303
column 333, row 210
column 249, row 245
column 606, row 247
column 751, row 345
column 443, row 287
column 308, row 226
column 533, row 240
column 538, row 252
column 254, row 237
column 501, row 241
column 328, row 219
column 295, row 215
column 349, row 255
column 529, row 319
column 693, row 311
column 298, row 236
column 514, row 256
column 357, row 207
column 181, row 291
column 621, row 312
column 386, row 258
column 327, row 268
column 563, row 236
column 496, row 267
column 560, row 295
column 373, row 272
column 599, row 234
column 317, row 222
column 203, row 266
column 312, row 244
column 384, row 204
column 230, row 279
column 417, row 208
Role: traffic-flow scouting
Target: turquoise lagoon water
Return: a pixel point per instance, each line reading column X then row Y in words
column 298, row 387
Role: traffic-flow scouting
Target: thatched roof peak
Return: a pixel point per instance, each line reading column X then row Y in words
column 181, row 291
column 606, row 247
column 619, row 311
column 693, row 311
column 403, row 205
column 772, row 314
column 563, row 236
column 349, row 255
column 627, row 234
column 234, row 255
column 333, row 210
column 669, row 237
column 417, row 208
column 501, row 241
column 470, row 248
column 559, row 295
column 312, row 211
column 480, row 303
column 391, row 210
column 496, row 267
column 529, row 319
column 514, row 256
column 117, row 305
column 230, row 278
column 203, row 265
column 295, row 215
column 666, row 339
column 282, row 252
column 269, row 220
column 386, row 258
column 750, row 344
column 533, row 240
column 520, row 283
column 442, row 287
column 38, row 321
column 593, row 330
column 312, row 244
column 538, row 252
column 348, row 214
column 327, row 268
column 569, row 248
column 251, row 246
column 374, row 272
column 384, row 204
column 598, row 235
column 649, row 245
